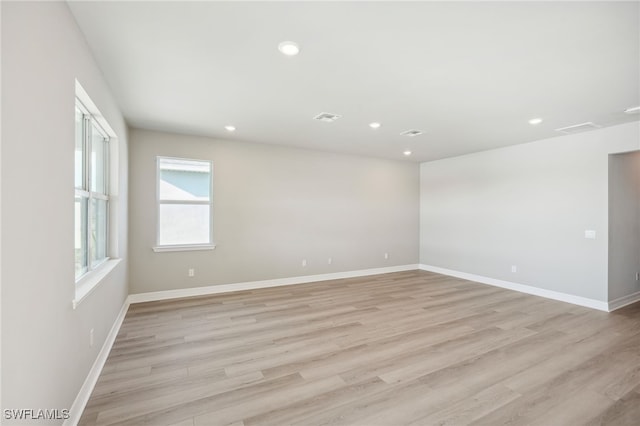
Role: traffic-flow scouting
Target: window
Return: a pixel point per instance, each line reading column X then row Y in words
column 184, row 204
column 91, row 192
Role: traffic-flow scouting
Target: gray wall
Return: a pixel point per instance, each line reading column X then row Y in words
column 273, row 207
column 527, row 205
column 624, row 224
column 45, row 343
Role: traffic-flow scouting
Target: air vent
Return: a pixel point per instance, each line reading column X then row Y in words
column 411, row 133
column 327, row 117
column 582, row 127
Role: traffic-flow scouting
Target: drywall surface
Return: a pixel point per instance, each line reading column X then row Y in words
column 526, row 206
column 45, row 342
column 273, row 207
column 624, row 224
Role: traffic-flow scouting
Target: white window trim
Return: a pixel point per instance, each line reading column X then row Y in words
column 188, row 247
column 159, row 248
column 86, row 191
column 89, row 281
column 86, row 283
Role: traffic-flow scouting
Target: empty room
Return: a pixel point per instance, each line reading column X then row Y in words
column 320, row 213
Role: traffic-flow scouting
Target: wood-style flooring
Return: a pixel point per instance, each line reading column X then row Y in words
column 408, row 348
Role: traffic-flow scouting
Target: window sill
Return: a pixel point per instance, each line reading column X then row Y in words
column 194, row 247
column 90, row 281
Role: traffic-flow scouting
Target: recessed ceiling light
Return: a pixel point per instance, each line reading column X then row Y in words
column 230, row 128
column 289, row 48
column 632, row 110
column 535, row 121
column 407, row 153
column 375, row 125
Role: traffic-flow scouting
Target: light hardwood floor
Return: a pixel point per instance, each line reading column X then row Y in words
column 408, row 348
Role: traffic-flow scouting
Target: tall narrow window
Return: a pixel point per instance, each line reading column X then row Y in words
column 184, row 203
column 92, row 192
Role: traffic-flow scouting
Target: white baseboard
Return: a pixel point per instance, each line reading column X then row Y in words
column 624, row 301
column 87, row 388
column 549, row 294
column 78, row 406
column 253, row 285
column 75, row 412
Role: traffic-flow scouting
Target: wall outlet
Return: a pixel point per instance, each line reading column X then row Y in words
column 386, row 255
column 191, row 272
column 329, row 261
column 304, row 262
column 590, row 234
column 91, row 341
column 514, row 268
column 637, row 276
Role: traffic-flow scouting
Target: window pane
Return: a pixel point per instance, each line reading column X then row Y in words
column 79, row 153
column 98, row 228
column 98, row 161
column 184, row 224
column 81, row 235
column 184, row 180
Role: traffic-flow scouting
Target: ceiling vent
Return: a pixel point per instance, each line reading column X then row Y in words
column 582, row 127
column 327, row 117
column 411, row 133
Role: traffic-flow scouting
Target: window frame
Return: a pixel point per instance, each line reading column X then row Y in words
column 89, row 123
column 210, row 245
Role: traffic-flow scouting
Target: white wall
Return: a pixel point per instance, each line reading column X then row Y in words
column 45, row 343
column 624, row 224
column 273, row 207
column 526, row 205
column 1, row 405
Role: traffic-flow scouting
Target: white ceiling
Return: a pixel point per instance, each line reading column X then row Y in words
column 469, row 74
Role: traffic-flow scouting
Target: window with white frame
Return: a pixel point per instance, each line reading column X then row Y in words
column 184, row 194
column 91, row 192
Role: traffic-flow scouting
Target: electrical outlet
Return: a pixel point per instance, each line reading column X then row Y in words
column 637, row 276
column 514, row 268
column 386, row 255
column 191, row 272
column 304, row 262
column 329, row 261
column 91, row 338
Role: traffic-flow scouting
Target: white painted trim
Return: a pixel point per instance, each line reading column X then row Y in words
column 192, row 247
column 624, row 301
column 92, row 279
column 82, row 398
column 77, row 408
column 549, row 294
column 253, row 285
column 86, row 101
